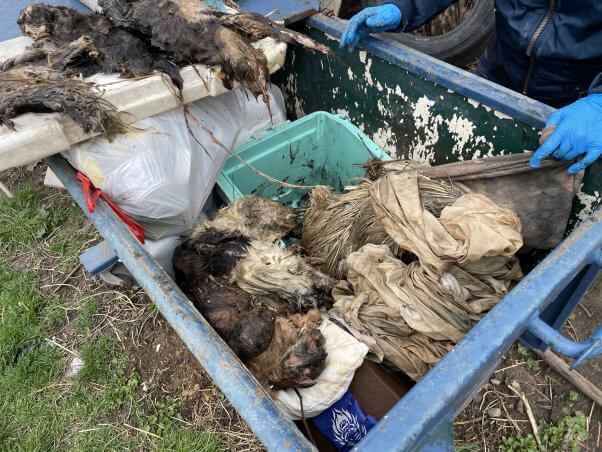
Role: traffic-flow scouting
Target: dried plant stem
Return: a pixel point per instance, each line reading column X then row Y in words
column 514, row 386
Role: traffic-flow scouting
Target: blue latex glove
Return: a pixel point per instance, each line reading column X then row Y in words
column 376, row 19
column 578, row 131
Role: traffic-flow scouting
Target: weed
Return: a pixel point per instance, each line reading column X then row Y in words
column 529, row 357
column 519, row 444
column 161, row 414
column 565, row 435
column 124, row 390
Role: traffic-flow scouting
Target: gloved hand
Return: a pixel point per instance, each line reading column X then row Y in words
column 376, row 19
column 578, row 131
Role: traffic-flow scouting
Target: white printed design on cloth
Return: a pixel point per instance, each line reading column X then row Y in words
column 346, row 428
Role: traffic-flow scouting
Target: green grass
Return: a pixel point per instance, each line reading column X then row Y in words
column 466, row 447
column 100, row 362
column 25, row 218
column 19, row 305
column 40, row 409
column 84, row 321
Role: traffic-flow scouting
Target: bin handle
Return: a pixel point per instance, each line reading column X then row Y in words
column 581, row 351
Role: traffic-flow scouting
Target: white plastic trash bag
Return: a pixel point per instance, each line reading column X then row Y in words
column 159, row 174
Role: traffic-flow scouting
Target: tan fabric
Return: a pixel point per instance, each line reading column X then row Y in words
column 411, row 315
column 542, row 197
column 471, row 228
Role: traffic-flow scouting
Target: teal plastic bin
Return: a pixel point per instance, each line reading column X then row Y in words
column 318, row 149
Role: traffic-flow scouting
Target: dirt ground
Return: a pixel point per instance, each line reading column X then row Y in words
column 168, row 372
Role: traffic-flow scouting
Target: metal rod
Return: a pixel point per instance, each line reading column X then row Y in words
column 556, row 339
column 243, row 391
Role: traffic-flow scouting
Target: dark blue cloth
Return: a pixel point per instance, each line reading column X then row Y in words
column 344, row 423
column 567, row 55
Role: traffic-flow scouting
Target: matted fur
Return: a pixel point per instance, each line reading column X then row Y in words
column 245, row 324
column 296, row 356
column 42, row 90
column 267, row 268
column 190, row 32
column 90, row 43
column 252, row 216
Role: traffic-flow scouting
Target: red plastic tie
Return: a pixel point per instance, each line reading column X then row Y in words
column 86, row 187
column 92, row 199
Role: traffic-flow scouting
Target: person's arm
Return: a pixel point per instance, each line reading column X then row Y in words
column 391, row 15
column 578, row 131
column 416, row 13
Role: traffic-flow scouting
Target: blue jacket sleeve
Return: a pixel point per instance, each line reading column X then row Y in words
column 596, row 86
column 418, row 12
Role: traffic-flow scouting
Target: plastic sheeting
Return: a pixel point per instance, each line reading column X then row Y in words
column 162, row 172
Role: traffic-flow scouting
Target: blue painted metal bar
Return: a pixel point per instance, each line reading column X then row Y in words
column 460, row 374
column 543, row 333
column 440, row 439
column 590, row 274
column 561, row 308
column 470, row 85
column 582, row 351
column 247, row 396
column 99, row 258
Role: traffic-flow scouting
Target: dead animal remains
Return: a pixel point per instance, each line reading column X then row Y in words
column 87, row 44
column 42, row 90
column 135, row 38
column 244, row 323
column 298, row 350
column 258, row 265
column 257, row 320
column 190, row 32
